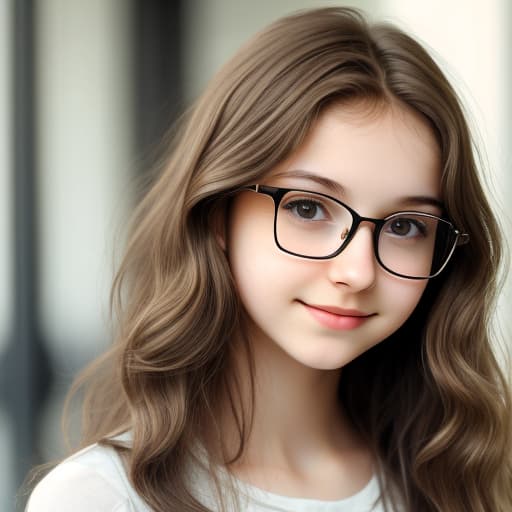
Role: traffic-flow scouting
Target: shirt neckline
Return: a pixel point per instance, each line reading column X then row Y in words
column 273, row 501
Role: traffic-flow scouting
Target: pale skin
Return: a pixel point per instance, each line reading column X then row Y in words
column 382, row 161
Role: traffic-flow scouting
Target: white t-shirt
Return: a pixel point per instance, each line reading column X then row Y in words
column 95, row 480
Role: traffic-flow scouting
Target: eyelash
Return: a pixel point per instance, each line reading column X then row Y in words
column 294, row 203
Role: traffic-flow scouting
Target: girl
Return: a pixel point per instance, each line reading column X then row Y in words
column 305, row 301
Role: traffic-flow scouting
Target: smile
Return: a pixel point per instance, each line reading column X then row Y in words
column 337, row 318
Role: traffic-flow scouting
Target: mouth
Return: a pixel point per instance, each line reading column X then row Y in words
column 337, row 318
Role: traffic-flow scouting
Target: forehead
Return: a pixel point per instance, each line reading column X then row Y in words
column 377, row 154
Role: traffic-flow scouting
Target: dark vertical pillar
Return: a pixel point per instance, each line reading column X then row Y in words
column 158, row 72
column 24, row 372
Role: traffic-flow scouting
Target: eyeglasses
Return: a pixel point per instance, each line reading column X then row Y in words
column 316, row 226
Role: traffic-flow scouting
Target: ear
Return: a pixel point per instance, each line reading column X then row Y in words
column 219, row 222
column 221, row 240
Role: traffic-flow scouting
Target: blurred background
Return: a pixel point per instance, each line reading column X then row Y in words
column 87, row 88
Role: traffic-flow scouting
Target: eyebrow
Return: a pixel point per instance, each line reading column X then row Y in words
column 331, row 185
column 422, row 201
column 338, row 189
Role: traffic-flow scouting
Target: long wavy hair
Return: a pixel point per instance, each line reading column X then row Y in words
column 431, row 400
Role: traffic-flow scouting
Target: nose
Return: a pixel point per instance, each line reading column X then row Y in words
column 356, row 265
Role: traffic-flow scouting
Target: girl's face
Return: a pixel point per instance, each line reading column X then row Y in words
column 324, row 313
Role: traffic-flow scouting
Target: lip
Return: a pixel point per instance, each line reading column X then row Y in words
column 336, row 318
column 338, row 311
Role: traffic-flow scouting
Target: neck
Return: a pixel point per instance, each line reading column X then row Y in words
column 296, row 417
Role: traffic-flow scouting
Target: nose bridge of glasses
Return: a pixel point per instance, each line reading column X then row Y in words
column 347, row 235
column 357, row 220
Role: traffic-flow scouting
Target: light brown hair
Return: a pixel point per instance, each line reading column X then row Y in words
column 435, row 406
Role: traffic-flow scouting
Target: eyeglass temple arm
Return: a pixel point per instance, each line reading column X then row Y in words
column 254, row 188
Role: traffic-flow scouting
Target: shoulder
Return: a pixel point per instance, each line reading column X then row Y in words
column 92, row 480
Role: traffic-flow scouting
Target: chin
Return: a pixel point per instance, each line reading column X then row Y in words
column 327, row 361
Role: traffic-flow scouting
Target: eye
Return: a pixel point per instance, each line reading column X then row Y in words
column 306, row 209
column 406, row 227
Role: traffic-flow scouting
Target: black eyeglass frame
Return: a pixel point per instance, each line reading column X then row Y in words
column 277, row 194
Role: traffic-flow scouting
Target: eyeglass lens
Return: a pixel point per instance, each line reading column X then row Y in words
column 409, row 244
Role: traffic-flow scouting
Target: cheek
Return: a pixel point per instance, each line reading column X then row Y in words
column 261, row 272
column 249, row 241
column 403, row 297
column 250, row 246
column 265, row 277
